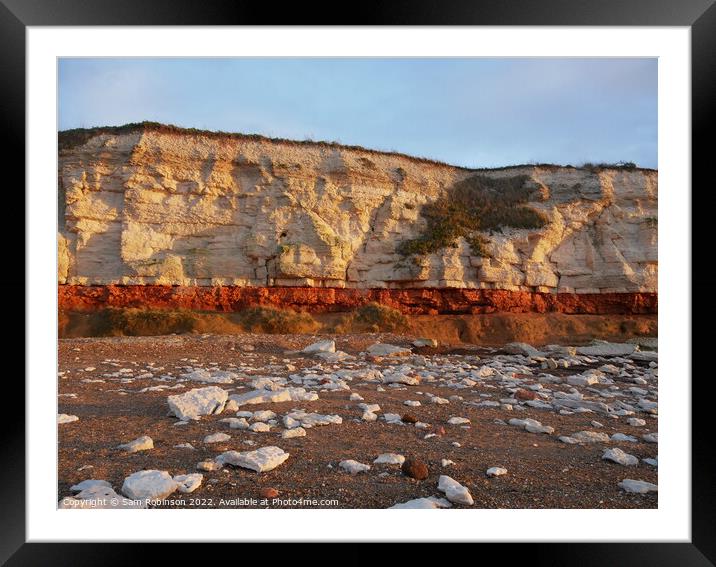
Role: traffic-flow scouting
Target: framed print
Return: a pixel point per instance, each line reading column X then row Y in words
column 291, row 282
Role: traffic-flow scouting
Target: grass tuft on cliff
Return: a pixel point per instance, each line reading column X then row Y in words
column 476, row 204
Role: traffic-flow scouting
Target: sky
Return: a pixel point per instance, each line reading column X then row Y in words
column 473, row 112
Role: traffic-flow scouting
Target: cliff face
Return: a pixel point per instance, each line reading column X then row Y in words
column 148, row 207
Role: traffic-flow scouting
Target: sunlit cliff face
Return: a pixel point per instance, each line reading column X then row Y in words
column 149, row 207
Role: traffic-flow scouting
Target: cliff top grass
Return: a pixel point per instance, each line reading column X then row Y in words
column 68, row 139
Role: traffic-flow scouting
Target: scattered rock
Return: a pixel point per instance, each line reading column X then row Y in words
column 430, row 503
column 65, row 418
column 457, row 420
column 320, row 346
column 590, row 437
column 389, row 459
column 521, row 348
column 415, row 468
column 638, row 486
column 276, row 396
column 420, row 343
column 90, row 483
column 620, row 457
column 260, row 460
column 604, row 348
column 380, row 349
column 624, row 438
column 291, row 433
column 409, row 418
column 217, row 438
column 353, row 467
column 495, row 471
column 193, row 404
column 143, row 443
column 189, row 482
column 209, row 466
column 454, row 491
column 149, row 484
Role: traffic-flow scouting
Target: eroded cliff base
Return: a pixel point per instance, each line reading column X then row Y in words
column 478, row 316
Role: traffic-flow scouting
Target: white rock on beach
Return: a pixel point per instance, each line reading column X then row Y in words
column 618, row 456
column 143, row 443
column 590, row 437
column 151, row 484
column 217, row 438
column 380, row 349
column 603, row 348
column 320, row 346
column 65, row 418
column 495, row 471
column 90, row 483
column 276, row 396
column 430, row 503
column 454, row 491
column 638, row 486
column 389, row 459
column 236, row 422
column 353, row 467
column 197, row 402
column 458, row 420
column 260, row 460
column 294, row 432
column 188, row 482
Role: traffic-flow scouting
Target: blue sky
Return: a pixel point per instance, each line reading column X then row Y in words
column 470, row 112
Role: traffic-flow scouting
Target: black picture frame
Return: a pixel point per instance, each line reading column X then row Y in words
column 699, row 15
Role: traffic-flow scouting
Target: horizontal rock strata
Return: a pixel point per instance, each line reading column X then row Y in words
column 322, row 300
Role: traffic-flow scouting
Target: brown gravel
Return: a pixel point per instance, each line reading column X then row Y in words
column 542, row 471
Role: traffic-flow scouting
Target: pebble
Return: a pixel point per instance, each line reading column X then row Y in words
column 217, row 438
column 495, row 471
column 454, row 491
column 389, row 459
column 618, row 456
column 65, row 418
column 143, row 443
column 291, row 433
column 353, row 467
column 415, row 468
column 637, row 486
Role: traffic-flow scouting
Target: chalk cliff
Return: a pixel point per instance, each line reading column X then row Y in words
column 147, row 206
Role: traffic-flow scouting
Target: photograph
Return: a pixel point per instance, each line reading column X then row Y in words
column 357, row 282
